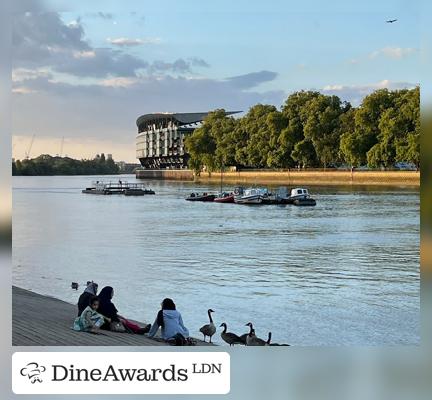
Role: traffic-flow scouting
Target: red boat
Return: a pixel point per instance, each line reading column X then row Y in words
column 224, row 198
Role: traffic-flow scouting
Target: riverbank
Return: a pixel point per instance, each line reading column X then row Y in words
column 45, row 321
column 292, row 177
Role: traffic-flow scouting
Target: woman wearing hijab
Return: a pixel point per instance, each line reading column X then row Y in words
column 86, row 296
column 109, row 310
column 171, row 323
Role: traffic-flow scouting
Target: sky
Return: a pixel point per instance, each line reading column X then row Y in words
column 82, row 76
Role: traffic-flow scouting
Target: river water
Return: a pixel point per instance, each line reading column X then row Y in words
column 346, row 272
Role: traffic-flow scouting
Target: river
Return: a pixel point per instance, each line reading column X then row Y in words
column 346, row 272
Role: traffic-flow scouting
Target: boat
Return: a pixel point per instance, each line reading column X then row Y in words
column 304, row 202
column 297, row 196
column 249, row 196
column 137, row 192
column 224, row 197
column 120, row 187
column 301, row 197
column 200, row 197
column 280, row 197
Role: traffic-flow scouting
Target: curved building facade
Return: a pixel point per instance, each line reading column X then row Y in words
column 160, row 138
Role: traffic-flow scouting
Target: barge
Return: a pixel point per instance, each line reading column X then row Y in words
column 120, row 187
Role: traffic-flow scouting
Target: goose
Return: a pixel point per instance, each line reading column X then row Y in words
column 229, row 337
column 245, row 335
column 253, row 340
column 273, row 344
column 208, row 329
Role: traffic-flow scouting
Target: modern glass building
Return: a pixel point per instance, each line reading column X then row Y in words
column 160, row 139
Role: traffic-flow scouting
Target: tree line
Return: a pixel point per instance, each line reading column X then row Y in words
column 312, row 130
column 48, row 165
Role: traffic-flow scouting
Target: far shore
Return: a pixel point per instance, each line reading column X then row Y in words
column 291, row 177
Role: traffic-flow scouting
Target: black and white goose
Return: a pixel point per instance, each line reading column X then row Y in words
column 229, row 337
column 245, row 335
column 252, row 339
column 208, row 329
column 274, row 344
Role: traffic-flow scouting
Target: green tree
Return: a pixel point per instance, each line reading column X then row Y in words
column 262, row 126
column 322, row 126
column 213, row 144
column 304, row 153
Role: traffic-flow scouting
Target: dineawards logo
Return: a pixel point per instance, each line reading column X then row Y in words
column 33, row 371
column 121, row 373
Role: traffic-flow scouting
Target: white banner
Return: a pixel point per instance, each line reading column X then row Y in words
column 121, row 373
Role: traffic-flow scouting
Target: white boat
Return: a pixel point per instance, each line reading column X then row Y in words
column 301, row 197
column 249, row 196
column 299, row 193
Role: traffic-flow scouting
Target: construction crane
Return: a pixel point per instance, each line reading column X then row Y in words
column 27, row 153
column 61, row 147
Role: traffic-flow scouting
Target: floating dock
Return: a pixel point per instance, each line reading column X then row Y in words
column 119, row 187
column 39, row 320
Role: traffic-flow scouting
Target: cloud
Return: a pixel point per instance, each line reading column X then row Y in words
column 50, row 55
column 252, row 79
column 123, row 42
column 355, row 93
column 119, row 82
column 199, row 62
column 23, row 74
column 44, row 40
column 104, row 15
column 396, row 53
column 108, row 110
column 101, row 63
column 40, row 38
column 178, row 66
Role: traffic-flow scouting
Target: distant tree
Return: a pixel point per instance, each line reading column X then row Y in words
column 48, row 165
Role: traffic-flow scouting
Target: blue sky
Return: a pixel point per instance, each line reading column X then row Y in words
column 114, row 60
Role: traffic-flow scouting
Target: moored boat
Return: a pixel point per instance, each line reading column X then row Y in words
column 224, row 197
column 120, row 187
column 249, row 196
column 301, row 197
column 200, row 197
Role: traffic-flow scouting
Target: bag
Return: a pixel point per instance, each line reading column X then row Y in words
column 117, row 327
column 130, row 326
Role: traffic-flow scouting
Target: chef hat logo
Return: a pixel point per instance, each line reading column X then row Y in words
column 32, row 371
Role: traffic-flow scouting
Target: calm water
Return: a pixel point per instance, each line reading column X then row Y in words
column 345, row 272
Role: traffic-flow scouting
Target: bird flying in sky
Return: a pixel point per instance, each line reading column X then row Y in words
column 390, row 21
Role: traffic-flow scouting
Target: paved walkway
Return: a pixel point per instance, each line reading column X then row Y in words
column 44, row 321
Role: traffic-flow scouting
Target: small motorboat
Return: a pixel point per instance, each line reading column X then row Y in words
column 200, row 197
column 249, row 196
column 224, row 197
column 301, row 197
column 304, row 202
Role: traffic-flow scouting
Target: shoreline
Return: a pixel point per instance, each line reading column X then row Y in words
column 291, row 177
column 39, row 320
